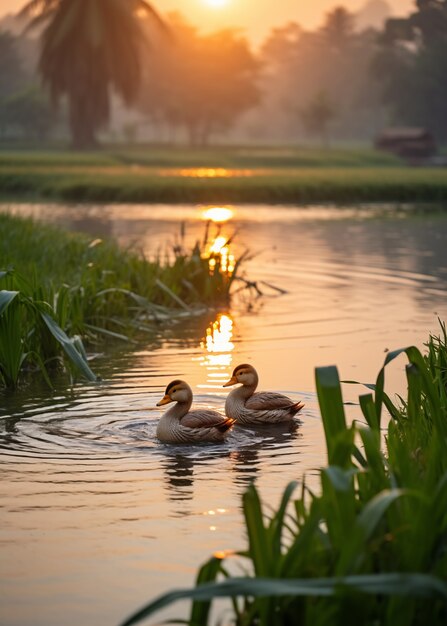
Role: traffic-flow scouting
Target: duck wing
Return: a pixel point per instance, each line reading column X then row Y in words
column 206, row 419
column 269, row 400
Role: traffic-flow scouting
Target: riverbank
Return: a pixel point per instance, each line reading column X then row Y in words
column 227, row 175
column 59, row 287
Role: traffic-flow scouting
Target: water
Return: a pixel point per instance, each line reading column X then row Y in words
column 97, row 516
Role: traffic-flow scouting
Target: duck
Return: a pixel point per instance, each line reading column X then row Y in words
column 265, row 407
column 180, row 425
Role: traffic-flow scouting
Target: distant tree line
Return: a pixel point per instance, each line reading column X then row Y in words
column 198, row 83
column 411, row 66
column 25, row 109
column 334, row 82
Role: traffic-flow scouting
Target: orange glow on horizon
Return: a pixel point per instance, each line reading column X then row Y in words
column 257, row 19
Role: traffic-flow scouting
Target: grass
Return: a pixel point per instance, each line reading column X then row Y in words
column 217, row 175
column 59, row 288
column 232, row 157
column 371, row 546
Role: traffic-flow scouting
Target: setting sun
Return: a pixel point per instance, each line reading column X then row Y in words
column 216, row 4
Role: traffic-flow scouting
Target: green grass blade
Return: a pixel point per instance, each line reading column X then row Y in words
column 365, row 525
column 6, row 297
column 421, row 585
column 331, row 407
column 12, row 351
column 369, row 410
column 277, row 522
column 200, row 609
column 380, row 382
column 68, row 345
column 259, row 544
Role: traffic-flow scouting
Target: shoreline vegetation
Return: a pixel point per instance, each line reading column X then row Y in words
column 370, row 547
column 59, row 290
column 217, row 175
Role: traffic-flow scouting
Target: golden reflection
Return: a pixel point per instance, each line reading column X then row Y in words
column 221, row 256
column 218, row 214
column 218, row 346
column 219, row 335
column 223, row 554
column 218, row 245
column 208, row 172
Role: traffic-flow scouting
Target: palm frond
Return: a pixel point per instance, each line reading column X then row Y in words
column 34, row 8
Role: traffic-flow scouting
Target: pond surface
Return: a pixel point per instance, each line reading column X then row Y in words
column 97, row 516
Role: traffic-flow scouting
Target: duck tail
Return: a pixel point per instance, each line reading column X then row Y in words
column 297, row 406
column 226, row 425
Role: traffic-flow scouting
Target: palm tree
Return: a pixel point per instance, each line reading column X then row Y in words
column 88, row 49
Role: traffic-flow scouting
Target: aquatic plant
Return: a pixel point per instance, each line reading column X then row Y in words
column 79, row 288
column 30, row 336
column 371, row 546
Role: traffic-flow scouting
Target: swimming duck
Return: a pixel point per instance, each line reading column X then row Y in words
column 265, row 407
column 180, row 425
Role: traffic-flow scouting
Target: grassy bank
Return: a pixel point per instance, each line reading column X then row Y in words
column 59, row 289
column 371, row 546
column 232, row 157
column 226, row 175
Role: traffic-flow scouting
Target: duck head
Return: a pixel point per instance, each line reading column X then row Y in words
column 245, row 375
column 176, row 391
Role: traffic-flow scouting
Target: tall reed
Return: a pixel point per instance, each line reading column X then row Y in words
column 371, row 547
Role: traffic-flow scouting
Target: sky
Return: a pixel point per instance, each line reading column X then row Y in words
column 254, row 17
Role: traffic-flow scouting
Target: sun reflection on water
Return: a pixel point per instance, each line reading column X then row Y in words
column 220, row 256
column 219, row 335
column 218, row 214
column 218, row 346
column 207, row 172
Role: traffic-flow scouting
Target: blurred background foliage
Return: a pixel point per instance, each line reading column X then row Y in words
column 344, row 81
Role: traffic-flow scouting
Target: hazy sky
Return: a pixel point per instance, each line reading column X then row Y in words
column 256, row 17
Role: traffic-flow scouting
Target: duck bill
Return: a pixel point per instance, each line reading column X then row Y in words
column 231, row 382
column 165, row 400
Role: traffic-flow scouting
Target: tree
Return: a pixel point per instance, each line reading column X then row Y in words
column 430, row 20
column 338, row 29
column 317, row 115
column 12, row 74
column 412, row 67
column 88, row 48
column 200, row 83
column 29, row 112
column 281, row 45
